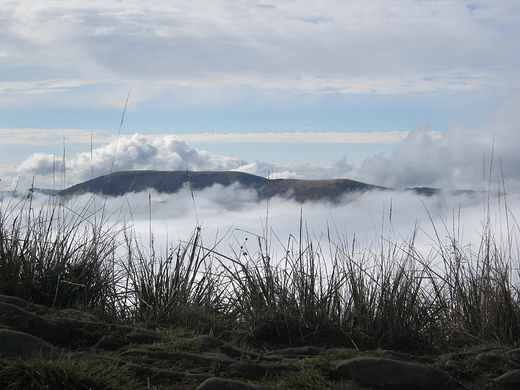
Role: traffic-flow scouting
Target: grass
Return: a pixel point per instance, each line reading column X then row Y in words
column 321, row 290
column 62, row 373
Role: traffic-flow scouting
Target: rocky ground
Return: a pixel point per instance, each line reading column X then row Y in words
column 169, row 359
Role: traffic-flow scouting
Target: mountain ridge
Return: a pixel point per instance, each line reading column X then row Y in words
column 123, row 182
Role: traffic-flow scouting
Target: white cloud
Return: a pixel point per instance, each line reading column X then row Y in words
column 307, row 137
column 46, row 137
column 332, row 46
column 458, row 158
column 372, row 219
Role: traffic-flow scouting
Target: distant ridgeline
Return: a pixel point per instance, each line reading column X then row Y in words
column 121, row 183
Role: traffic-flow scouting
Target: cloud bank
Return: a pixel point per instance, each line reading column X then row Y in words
column 484, row 158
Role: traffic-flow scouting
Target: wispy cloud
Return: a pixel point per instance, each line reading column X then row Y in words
column 47, row 137
column 301, row 137
column 326, row 47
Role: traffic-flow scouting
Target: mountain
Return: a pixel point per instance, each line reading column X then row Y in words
column 120, row 183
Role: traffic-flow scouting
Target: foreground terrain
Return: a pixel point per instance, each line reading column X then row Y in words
column 68, row 349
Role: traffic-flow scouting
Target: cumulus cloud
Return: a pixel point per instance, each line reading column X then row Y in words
column 139, row 152
column 459, row 159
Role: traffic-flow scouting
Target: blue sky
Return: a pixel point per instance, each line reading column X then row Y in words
column 398, row 93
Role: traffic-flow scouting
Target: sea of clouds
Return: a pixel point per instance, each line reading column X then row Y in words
column 484, row 160
column 235, row 223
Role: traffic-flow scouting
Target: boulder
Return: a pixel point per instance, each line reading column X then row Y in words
column 302, row 351
column 19, row 344
column 227, row 384
column 24, row 321
column 511, row 378
column 208, row 341
column 388, row 374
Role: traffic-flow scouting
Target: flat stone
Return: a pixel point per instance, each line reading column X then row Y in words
column 514, row 352
column 164, row 374
column 340, row 351
column 388, row 374
column 145, row 338
column 230, row 351
column 448, row 357
column 252, row 371
column 227, row 384
column 208, row 341
column 511, row 378
column 406, row 357
column 24, row 321
column 491, row 357
column 303, row 351
column 24, row 304
column 109, row 344
column 19, row 344
column 83, row 314
column 176, row 356
column 455, row 364
column 72, row 323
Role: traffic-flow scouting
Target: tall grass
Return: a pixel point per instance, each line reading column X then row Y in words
column 57, row 256
column 178, row 288
column 327, row 290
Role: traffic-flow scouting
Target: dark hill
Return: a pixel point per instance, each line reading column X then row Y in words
column 120, row 183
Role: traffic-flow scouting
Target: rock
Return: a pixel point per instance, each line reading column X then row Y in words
column 24, row 321
column 448, row 357
column 18, row 344
column 226, row 384
column 341, row 351
column 406, row 357
column 176, row 356
column 230, row 351
column 253, row 371
column 455, row 365
column 164, row 374
column 511, row 378
column 491, row 357
column 303, row 351
column 86, row 357
column 88, row 316
column 26, row 305
column 208, row 341
column 514, row 353
column 109, row 344
column 495, row 350
column 71, row 323
column 120, row 328
column 145, row 338
column 388, row 374
column 185, row 336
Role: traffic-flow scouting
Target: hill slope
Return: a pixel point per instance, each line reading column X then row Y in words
column 120, row 183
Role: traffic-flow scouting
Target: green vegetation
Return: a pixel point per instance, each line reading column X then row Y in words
column 384, row 296
column 38, row 373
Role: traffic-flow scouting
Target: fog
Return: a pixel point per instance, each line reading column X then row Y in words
column 232, row 220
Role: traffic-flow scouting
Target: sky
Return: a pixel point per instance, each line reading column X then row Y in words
column 397, row 93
